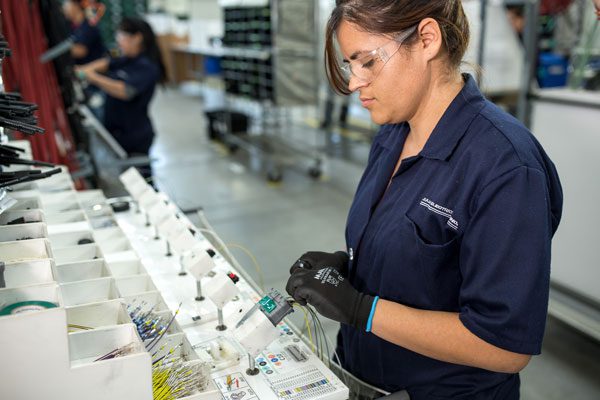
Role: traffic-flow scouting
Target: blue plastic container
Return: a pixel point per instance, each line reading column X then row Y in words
column 552, row 70
column 212, row 65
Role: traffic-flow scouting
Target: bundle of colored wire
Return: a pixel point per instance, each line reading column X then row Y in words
column 321, row 341
column 153, row 342
column 148, row 324
column 174, row 378
column 121, row 351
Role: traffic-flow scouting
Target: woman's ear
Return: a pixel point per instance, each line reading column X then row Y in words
column 430, row 40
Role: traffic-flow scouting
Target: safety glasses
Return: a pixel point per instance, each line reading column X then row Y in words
column 368, row 66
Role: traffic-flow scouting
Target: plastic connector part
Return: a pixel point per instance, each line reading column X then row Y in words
column 198, row 262
column 220, row 289
column 275, row 307
column 296, row 353
column 220, row 353
column 233, row 277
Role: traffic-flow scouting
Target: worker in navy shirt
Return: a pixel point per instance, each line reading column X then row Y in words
column 443, row 290
column 88, row 45
column 129, row 82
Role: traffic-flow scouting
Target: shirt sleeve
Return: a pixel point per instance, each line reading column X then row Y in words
column 505, row 262
column 142, row 79
column 138, row 78
column 85, row 35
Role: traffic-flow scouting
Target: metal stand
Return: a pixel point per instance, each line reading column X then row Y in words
column 484, row 22
column 182, row 271
column 530, row 38
column 252, row 370
column 199, row 296
column 221, row 326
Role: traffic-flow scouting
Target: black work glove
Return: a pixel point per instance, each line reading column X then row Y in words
column 331, row 294
column 318, row 259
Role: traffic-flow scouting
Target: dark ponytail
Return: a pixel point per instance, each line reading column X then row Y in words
column 150, row 45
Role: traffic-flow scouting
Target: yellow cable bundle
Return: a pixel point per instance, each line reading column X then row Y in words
column 160, row 387
column 307, row 325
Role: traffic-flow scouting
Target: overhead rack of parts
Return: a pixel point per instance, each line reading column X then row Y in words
column 106, row 304
column 270, row 62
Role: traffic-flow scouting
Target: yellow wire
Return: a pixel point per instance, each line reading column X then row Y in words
column 244, row 249
column 307, row 326
column 75, row 326
column 249, row 254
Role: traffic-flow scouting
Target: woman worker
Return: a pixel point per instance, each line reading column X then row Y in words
column 88, row 45
column 129, row 82
column 443, row 291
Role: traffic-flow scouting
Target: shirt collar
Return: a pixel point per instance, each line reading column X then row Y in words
column 455, row 121
column 449, row 130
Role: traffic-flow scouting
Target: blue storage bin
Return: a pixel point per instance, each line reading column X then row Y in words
column 552, row 70
column 212, row 65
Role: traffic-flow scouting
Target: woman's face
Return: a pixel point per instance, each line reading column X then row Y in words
column 130, row 44
column 391, row 83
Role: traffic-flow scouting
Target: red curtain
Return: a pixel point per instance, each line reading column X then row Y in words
column 553, row 7
column 22, row 72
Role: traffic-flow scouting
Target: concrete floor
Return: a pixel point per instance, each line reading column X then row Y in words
column 277, row 223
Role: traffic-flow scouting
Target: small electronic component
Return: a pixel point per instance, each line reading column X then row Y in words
column 120, row 206
column 275, row 307
column 296, row 353
column 256, row 330
column 233, row 277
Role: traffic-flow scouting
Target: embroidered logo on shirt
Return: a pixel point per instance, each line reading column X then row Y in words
column 444, row 211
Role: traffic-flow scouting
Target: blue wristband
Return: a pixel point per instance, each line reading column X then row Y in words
column 370, row 320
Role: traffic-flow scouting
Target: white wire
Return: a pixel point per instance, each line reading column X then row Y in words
column 345, row 373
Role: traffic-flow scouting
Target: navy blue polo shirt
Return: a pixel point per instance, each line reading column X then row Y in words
column 465, row 226
column 89, row 36
column 128, row 120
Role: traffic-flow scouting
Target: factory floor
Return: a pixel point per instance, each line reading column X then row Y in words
column 276, row 223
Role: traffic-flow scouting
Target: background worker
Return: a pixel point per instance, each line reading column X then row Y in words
column 88, row 45
column 129, row 82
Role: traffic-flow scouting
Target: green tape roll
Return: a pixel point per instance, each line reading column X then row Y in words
column 26, row 306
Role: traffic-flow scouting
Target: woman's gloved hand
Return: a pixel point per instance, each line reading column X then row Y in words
column 318, row 260
column 331, row 295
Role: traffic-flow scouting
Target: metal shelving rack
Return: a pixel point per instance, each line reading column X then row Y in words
column 279, row 77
